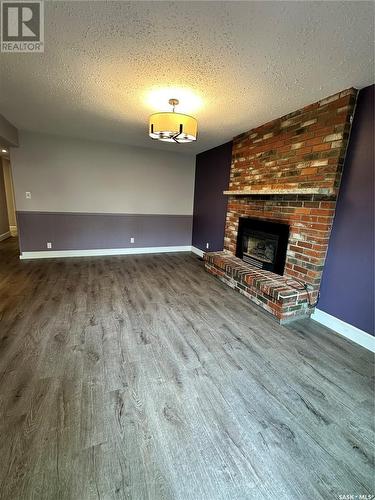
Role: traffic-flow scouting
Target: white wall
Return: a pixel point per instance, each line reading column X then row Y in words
column 73, row 175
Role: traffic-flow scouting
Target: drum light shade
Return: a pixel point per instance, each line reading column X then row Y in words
column 173, row 127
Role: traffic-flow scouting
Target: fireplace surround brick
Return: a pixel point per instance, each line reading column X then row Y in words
column 289, row 171
column 310, row 219
column 303, row 150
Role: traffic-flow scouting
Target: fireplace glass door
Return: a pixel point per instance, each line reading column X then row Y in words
column 263, row 243
column 259, row 248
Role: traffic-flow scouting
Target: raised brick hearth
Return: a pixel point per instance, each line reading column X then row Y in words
column 276, row 294
column 289, row 171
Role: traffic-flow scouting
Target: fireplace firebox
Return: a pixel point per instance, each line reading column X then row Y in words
column 262, row 243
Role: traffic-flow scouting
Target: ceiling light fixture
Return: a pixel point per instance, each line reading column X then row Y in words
column 173, row 127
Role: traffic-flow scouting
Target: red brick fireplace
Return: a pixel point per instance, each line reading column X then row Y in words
column 287, row 171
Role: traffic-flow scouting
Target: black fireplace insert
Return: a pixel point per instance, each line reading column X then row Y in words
column 262, row 243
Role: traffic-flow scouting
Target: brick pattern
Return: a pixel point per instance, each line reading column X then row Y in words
column 297, row 153
column 310, row 219
column 277, row 295
column 300, row 151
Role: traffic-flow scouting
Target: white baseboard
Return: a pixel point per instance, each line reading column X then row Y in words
column 52, row 254
column 197, row 251
column 4, row 236
column 345, row 329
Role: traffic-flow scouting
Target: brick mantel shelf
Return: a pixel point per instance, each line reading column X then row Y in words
column 322, row 191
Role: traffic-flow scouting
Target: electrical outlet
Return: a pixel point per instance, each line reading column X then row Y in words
column 207, row 246
column 131, row 240
column 49, row 244
column 28, row 195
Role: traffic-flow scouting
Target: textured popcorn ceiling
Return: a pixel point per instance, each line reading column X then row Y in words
column 246, row 62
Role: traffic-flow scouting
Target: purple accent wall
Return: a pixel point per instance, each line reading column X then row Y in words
column 347, row 289
column 85, row 231
column 210, row 205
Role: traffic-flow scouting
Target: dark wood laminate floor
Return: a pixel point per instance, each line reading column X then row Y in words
column 143, row 377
